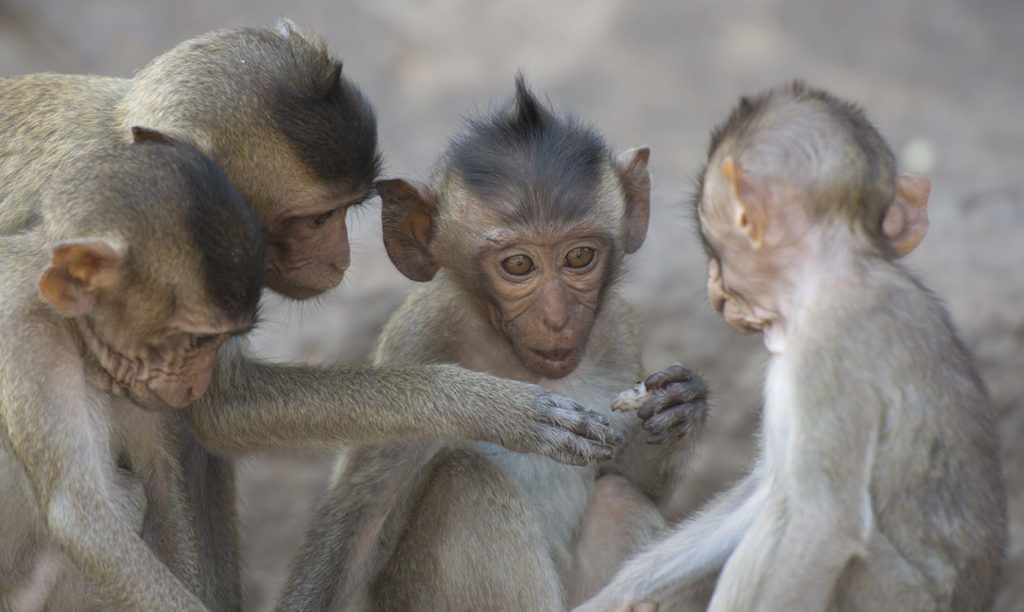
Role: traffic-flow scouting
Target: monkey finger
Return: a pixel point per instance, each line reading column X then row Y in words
column 574, row 450
column 692, row 391
column 676, row 422
column 676, row 372
column 566, row 414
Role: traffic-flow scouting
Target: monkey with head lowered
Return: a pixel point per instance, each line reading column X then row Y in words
column 878, row 484
column 298, row 141
column 112, row 313
column 521, row 234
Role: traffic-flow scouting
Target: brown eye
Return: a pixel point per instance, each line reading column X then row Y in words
column 579, row 257
column 517, row 265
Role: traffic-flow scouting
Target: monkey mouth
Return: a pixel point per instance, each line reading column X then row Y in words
column 556, row 356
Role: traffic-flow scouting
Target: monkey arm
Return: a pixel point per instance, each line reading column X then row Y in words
column 60, row 441
column 355, row 525
column 795, row 551
column 695, row 549
column 252, row 404
column 672, row 411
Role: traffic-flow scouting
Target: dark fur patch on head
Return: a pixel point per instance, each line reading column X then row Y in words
column 329, row 122
column 529, row 164
column 227, row 233
column 172, row 205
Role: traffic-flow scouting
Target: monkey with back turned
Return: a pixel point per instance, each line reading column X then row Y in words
column 298, row 140
column 521, row 236
column 878, row 483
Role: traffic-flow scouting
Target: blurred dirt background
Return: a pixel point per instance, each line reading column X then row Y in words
column 942, row 79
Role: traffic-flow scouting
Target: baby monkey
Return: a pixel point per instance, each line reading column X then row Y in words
column 111, row 315
column 878, row 484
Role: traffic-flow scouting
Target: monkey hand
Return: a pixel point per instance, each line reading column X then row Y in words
column 559, row 428
column 676, row 404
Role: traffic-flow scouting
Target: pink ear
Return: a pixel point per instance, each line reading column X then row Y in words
column 78, row 272
column 631, row 166
column 906, row 222
column 407, row 220
column 751, row 217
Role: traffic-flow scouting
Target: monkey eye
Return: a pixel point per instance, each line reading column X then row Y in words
column 322, row 218
column 517, row 265
column 579, row 257
column 204, row 340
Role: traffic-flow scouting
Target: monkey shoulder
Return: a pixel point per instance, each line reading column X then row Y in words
column 892, row 345
column 45, row 103
column 424, row 328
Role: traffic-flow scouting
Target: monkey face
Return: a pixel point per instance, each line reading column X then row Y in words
column 545, row 299
column 162, row 358
column 736, row 311
column 308, row 247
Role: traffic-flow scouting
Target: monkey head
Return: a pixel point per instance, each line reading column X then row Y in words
column 156, row 260
column 796, row 181
column 295, row 137
column 532, row 215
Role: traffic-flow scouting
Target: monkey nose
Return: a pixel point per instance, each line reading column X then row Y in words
column 556, row 321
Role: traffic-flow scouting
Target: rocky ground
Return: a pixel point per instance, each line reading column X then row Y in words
column 942, row 79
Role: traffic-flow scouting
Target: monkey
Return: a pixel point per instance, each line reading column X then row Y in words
column 877, row 484
column 298, row 140
column 112, row 312
column 521, row 235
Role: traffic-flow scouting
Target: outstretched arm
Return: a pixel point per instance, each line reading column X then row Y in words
column 252, row 404
column 793, row 555
column 698, row 547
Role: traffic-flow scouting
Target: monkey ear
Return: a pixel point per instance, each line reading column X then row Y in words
column 631, row 167
column 147, row 134
column 78, row 272
column 750, row 214
column 407, row 219
column 906, row 221
column 285, row 27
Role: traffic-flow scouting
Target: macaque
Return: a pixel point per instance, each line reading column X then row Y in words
column 519, row 244
column 298, row 140
column 878, row 483
column 111, row 314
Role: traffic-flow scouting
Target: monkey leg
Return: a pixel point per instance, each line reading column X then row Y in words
column 618, row 521
column 471, row 543
column 884, row 579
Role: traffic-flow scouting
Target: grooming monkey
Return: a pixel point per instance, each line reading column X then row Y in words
column 878, row 484
column 298, row 140
column 521, row 235
column 112, row 313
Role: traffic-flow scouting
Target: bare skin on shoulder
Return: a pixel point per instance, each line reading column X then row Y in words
column 521, row 235
column 878, row 484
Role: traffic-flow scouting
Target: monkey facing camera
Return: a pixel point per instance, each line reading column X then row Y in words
column 878, row 483
column 517, row 244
